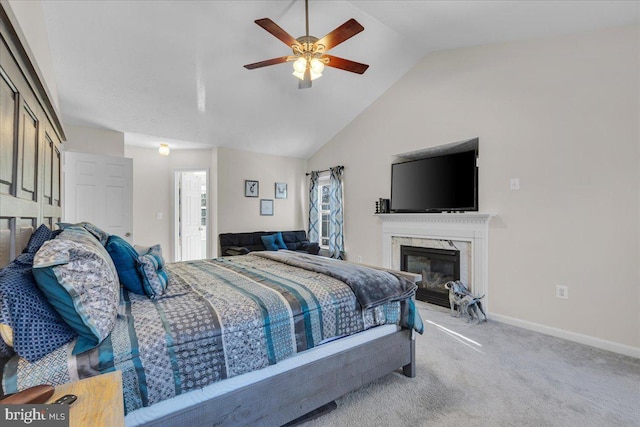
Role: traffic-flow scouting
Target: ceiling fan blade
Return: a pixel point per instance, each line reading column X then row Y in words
column 340, row 34
column 268, row 62
column 306, row 82
column 345, row 64
column 277, row 31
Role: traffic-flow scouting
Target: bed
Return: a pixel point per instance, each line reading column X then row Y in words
column 261, row 338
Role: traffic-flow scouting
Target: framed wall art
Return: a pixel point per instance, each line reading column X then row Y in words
column 251, row 188
column 266, row 207
column 281, row 190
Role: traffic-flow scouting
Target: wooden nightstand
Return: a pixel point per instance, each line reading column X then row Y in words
column 100, row 402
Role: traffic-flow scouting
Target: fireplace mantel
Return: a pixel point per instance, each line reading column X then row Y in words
column 472, row 227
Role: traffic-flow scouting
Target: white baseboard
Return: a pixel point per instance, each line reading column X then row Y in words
column 627, row 350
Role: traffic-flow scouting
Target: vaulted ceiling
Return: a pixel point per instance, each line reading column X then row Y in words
column 172, row 71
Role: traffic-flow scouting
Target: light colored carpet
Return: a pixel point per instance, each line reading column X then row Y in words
column 495, row 374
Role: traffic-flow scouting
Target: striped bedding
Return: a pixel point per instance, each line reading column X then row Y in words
column 219, row 318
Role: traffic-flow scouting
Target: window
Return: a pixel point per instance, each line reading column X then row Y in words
column 323, row 211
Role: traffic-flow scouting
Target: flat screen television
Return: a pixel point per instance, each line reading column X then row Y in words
column 447, row 182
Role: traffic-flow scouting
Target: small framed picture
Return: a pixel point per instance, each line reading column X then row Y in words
column 251, row 188
column 266, row 207
column 281, row 190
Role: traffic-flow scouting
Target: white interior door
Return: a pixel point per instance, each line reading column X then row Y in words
column 99, row 189
column 190, row 216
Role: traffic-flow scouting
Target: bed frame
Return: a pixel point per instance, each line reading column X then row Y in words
column 287, row 396
column 30, row 170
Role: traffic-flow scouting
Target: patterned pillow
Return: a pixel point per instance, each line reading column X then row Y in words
column 26, row 316
column 41, row 235
column 102, row 236
column 80, row 235
column 154, row 277
column 125, row 258
column 81, row 284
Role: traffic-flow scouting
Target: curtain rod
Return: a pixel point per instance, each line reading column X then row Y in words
column 324, row 170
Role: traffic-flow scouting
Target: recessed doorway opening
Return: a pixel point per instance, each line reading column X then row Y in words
column 191, row 216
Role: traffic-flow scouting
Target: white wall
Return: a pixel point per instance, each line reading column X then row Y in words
column 153, row 188
column 237, row 213
column 562, row 115
column 102, row 142
column 30, row 16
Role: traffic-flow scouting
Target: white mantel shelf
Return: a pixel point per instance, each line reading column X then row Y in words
column 472, row 227
column 437, row 217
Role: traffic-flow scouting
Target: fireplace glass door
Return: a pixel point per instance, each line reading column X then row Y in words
column 436, row 266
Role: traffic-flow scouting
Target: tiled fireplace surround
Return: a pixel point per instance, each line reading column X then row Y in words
column 466, row 232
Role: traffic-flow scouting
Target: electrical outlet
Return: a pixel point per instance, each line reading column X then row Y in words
column 360, row 259
column 562, row 292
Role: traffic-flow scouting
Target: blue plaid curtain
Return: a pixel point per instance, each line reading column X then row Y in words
column 313, row 209
column 336, row 221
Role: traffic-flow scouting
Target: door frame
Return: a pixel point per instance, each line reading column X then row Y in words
column 177, row 256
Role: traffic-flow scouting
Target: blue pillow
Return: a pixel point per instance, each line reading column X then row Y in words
column 125, row 258
column 154, row 277
column 36, row 327
column 41, row 235
column 269, row 242
column 280, row 241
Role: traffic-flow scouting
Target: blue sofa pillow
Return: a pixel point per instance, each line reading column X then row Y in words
column 125, row 258
column 35, row 326
column 269, row 242
column 280, row 241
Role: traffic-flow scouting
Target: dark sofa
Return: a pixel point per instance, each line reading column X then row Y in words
column 243, row 243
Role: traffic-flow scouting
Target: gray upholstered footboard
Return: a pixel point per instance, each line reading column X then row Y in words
column 287, row 396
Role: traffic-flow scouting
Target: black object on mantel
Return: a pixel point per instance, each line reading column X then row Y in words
column 382, row 206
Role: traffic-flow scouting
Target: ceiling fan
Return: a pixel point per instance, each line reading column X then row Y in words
column 309, row 53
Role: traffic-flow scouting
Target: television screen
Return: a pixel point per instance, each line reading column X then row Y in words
column 435, row 184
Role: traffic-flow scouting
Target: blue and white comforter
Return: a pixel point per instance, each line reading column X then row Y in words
column 219, row 318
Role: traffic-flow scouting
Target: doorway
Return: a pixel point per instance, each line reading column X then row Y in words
column 191, row 216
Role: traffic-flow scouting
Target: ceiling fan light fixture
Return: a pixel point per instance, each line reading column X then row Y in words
column 164, row 149
column 315, row 66
column 299, row 67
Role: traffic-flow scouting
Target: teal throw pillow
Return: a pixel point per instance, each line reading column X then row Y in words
column 125, row 258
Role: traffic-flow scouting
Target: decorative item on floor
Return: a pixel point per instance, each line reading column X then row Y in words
column 467, row 304
column 281, row 190
column 266, row 207
column 251, row 188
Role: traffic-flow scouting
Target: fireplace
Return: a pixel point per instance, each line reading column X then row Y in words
column 436, row 267
column 466, row 232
